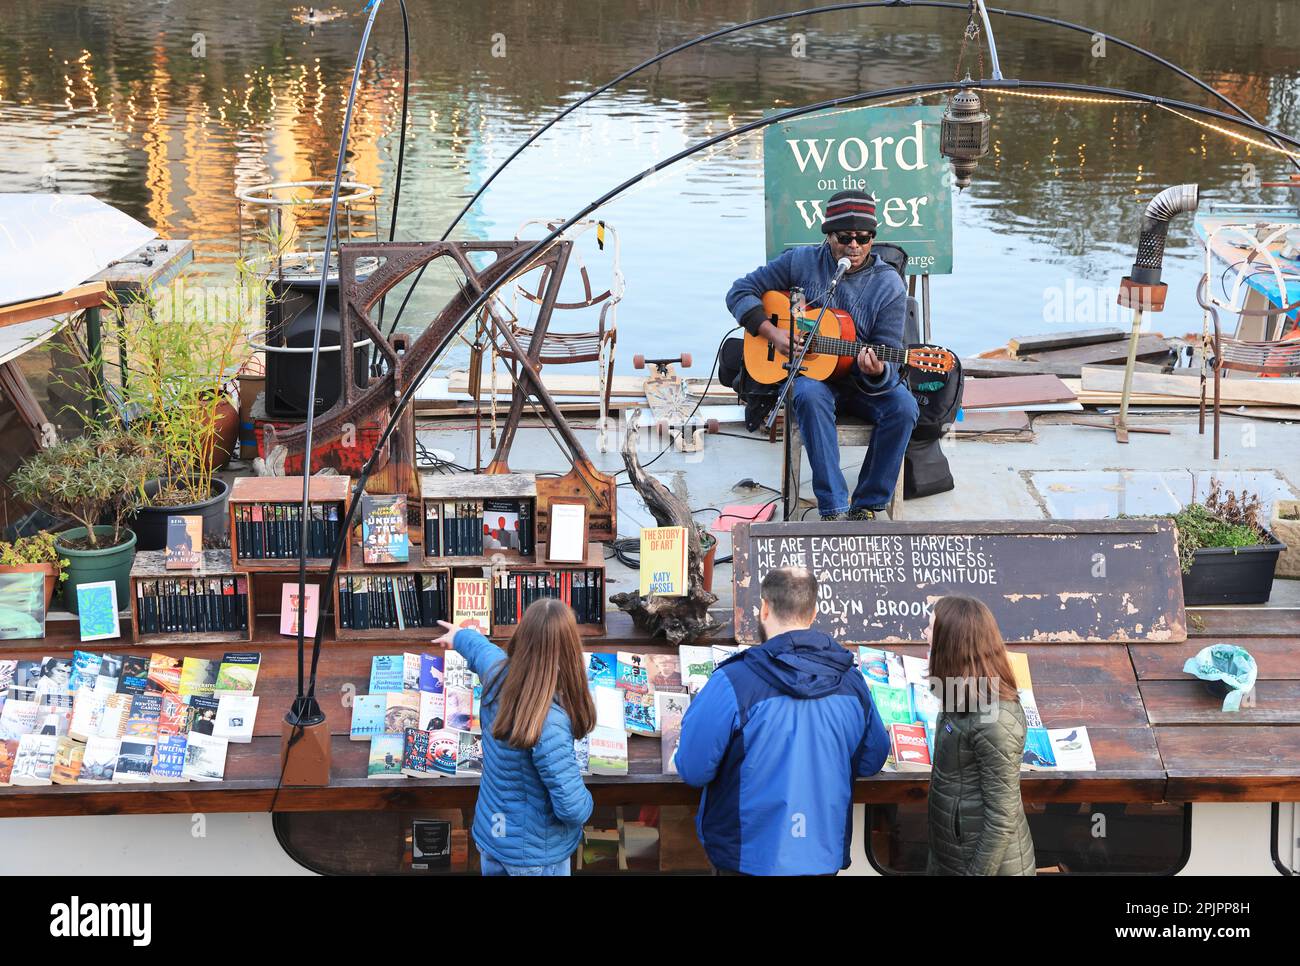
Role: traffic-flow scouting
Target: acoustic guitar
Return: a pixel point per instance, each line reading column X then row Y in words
column 833, row 349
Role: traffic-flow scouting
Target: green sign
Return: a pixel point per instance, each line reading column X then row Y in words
column 893, row 152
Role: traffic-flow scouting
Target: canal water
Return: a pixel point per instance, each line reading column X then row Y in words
column 165, row 108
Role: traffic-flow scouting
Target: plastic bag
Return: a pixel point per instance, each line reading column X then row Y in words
column 1231, row 666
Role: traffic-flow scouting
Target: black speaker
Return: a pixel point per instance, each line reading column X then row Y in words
column 290, row 322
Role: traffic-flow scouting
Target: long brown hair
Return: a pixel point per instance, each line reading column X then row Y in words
column 545, row 661
column 967, row 655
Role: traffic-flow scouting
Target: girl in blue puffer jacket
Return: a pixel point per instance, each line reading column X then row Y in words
column 532, row 802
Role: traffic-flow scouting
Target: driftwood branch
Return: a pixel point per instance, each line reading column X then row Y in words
column 681, row 620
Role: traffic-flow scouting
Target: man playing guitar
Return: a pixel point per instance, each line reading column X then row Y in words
column 873, row 294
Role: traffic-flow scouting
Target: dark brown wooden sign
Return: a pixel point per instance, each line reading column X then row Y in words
column 1058, row 580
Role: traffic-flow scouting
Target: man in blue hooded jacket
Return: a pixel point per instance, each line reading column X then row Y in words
column 776, row 737
column 873, row 295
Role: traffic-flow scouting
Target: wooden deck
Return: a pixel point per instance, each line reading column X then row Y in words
column 1157, row 734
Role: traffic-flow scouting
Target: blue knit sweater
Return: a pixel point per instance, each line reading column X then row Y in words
column 532, row 802
column 874, row 296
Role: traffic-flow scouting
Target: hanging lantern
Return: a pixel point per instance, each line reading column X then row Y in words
column 964, row 137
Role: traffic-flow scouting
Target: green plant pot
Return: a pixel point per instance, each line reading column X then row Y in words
column 89, row 566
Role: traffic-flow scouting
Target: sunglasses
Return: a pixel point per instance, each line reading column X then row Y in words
column 848, row 237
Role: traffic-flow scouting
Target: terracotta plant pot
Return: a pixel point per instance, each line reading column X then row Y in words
column 227, row 434
column 50, row 570
column 706, row 563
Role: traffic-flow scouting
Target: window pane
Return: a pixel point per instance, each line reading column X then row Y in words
column 55, row 374
column 626, row 839
column 1069, row 838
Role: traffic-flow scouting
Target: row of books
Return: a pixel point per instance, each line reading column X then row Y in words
column 99, row 719
column 583, row 590
column 274, row 530
column 469, row 528
column 397, row 601
column 432, row 700
column 189, row 605
column 903, row 694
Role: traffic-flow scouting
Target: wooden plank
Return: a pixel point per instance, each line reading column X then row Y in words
column 477, row 486
column 166, row 258
column 1278, row 658
column 1014, row 391
column 975, row 366
column 88, row 296
column 1226, row 763
column 1038, row 577
column 1225, row 622
column 1189, row 702
column 1022, row 345
column 1267, row 392
column 1152, row 347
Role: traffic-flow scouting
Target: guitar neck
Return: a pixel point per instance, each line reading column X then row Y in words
column 848, row 347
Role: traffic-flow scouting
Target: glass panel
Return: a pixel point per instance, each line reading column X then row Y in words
column 628, row 839
column 1069, row 838
column 54, row 372
column 16, row 444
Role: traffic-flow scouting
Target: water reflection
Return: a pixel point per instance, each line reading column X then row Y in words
column 165, row 109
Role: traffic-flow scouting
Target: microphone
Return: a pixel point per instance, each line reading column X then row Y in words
column 841, row 267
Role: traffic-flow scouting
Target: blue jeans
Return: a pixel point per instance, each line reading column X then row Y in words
column 491, row 866
column 894, row 413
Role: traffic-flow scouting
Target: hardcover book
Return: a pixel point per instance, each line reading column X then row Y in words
column 632, row 673
column 665, row 672
column 383, row 529
column 289, row 608
column 670, row 708
column 602, row 669
column 205, row 758
column 368, row 712
column 401, row 711
column 34, row 760
column 910, row 749
column 386, row 673
column 184, row 542
column 470, row 606
column 164, row 674
column 433, row 710
column 169, row 759
column 198, row 676
column 134, row 761
column 385, row 756
column 22, row 606
column 97, row 610
column 236, row 714
column 444, row 749
column 430, row 845
column 238, row 672
column 68, row 754
column 469, row 756
column 608, row 751
column 663, row 561
column 99, row 760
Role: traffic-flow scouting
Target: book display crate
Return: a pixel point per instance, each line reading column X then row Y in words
column 581, row 585
column 370, row 600
column 210, row 603
column 265, row 523
column 469, row 519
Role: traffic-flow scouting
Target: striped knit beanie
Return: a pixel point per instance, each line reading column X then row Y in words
column 850, row 211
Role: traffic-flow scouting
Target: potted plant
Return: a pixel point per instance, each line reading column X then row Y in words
column 94, row 481
column 38, row 554
column 1227, row 557
column 178, row 395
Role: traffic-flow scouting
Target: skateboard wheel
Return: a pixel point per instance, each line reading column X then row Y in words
column 638, row 361
column 686, row 360
column 711, row 425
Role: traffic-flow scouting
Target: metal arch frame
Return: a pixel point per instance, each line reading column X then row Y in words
column 533, row 379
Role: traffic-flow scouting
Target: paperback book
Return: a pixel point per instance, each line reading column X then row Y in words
column 383, row 529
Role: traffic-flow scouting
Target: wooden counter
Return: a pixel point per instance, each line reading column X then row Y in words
column 1157, row 734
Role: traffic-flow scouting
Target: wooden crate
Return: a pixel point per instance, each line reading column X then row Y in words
column 150, row 565
column 408, row 633
column 443, row 487
column 595, row 561
column 248, row 490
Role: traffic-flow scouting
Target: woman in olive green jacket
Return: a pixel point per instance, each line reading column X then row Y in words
column 977, row 817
